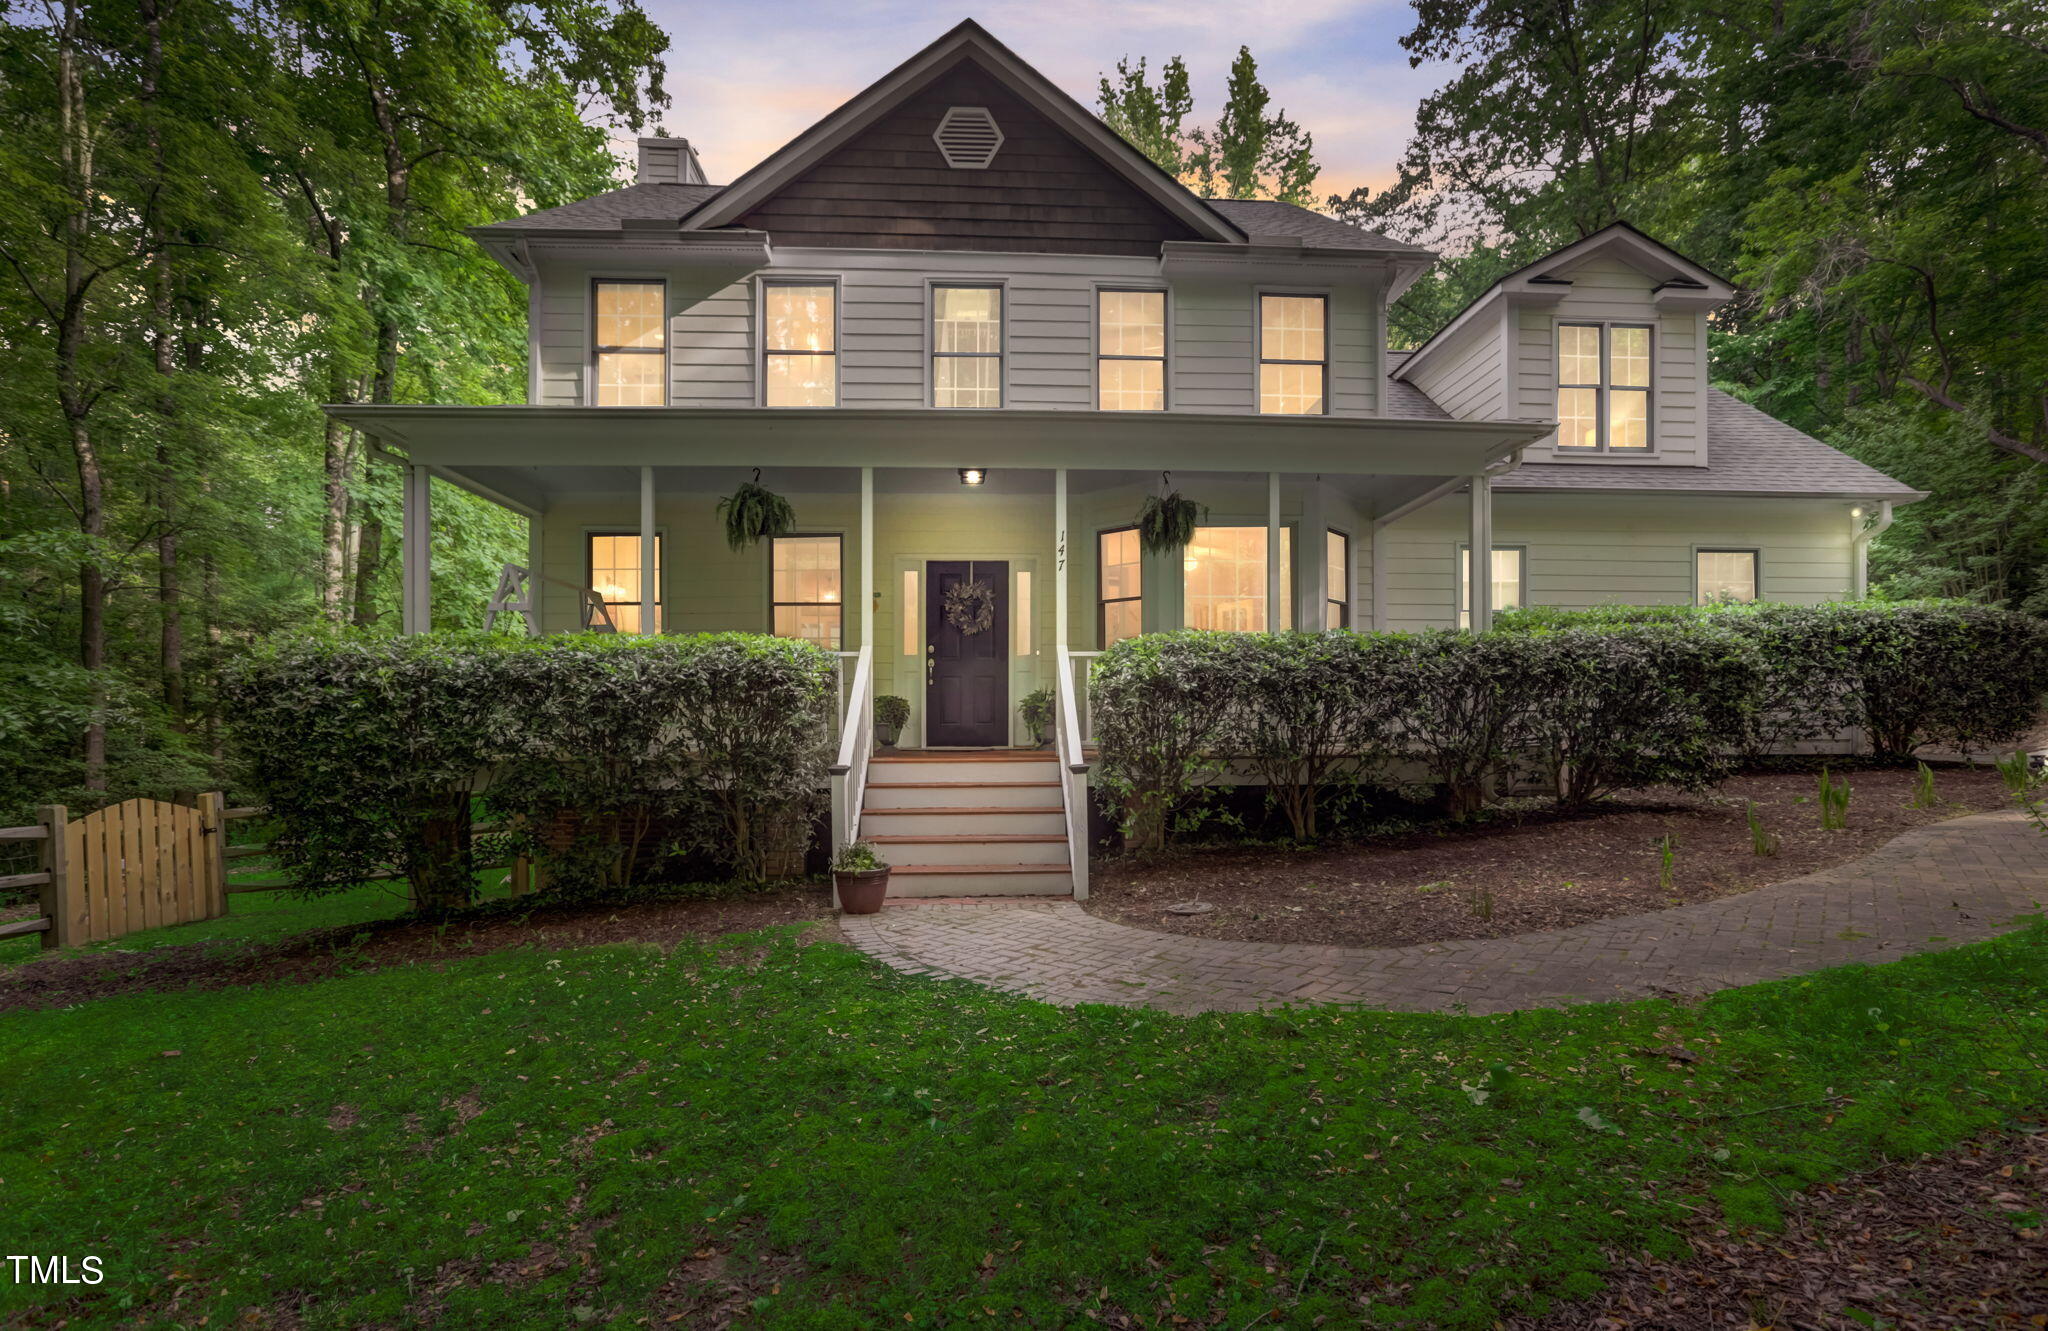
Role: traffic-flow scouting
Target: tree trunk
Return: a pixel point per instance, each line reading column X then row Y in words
column 369, row 563
column 337, row 447
column 171, row 640
column 73, row 398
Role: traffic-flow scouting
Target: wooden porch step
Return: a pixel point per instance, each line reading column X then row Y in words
column 963, row 809
column 972, row 848
column 953, row 794
column 981, row 880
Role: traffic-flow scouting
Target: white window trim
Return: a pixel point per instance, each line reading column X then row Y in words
column 845, row 619
column 1755, row 553
column 1095, row 345
column 931, row 341
column 1461, row 606
column 1604, row 448
column 1329, row 298
column 760, row 341
column 589, row 397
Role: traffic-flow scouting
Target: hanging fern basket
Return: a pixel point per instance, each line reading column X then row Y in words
column 754, row 511
column 1167, row 522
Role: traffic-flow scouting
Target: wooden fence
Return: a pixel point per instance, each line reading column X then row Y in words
column 139, row 864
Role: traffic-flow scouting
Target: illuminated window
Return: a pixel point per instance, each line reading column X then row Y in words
column 805, row 595
column 1725, row 575
column 1509, row 567
column 1130, row 367
column 1020, row 607
column 615, row 577
column 799, row 345
column 1337, row 569
column 1294, row 356
column 1225, row 571
column 1603, row 387
column 1119, row 586
column 913, row 641
column 967, row 346
column 629, row 341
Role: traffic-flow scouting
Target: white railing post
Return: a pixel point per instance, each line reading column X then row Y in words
column 850, row 768
column 1073, row 772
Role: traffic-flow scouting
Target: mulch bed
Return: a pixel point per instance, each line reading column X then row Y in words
column 1949, row 1241
column 323, row 953
column 1523, row 874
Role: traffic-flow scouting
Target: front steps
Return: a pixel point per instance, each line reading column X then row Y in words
column 976, row 823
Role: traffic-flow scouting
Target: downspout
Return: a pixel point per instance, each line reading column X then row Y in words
column 1863, row 534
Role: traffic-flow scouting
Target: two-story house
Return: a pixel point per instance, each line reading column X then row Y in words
column 965, row 329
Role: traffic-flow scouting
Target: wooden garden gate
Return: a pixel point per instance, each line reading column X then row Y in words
column 139, row 864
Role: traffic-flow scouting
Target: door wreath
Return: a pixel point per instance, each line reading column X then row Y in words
column 971, row 607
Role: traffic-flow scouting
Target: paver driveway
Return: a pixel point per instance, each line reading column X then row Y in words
column 1934, row 887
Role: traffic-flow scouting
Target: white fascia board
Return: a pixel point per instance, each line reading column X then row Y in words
column 927, row 437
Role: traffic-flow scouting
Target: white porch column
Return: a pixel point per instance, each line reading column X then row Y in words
column 650, row 572
column 867, row 559
column 1275, row 585
column 1378, row 554
column 1312, row 610
column 416, row 547
column 1059, row 557
column 1480, row 563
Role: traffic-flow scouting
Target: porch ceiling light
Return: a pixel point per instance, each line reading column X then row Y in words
column 973, row 475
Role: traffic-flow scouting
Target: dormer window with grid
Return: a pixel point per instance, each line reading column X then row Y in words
column 1603, row 388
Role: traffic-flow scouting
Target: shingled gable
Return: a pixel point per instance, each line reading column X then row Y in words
column 871, row 175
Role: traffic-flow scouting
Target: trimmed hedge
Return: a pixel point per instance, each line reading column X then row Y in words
column 1597, row 702
column 370, row 751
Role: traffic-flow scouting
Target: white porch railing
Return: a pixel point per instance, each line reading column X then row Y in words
column 856, row 742
column 1068, row 714
column 1074, row 666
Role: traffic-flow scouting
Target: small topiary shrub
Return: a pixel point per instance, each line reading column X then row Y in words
column 1036, row 712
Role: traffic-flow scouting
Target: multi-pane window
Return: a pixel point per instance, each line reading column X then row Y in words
column 1337, row 575
column 1294, row 354
column 1509, row 569
column 1225, row 570
column 1130, row 335
column 1603, row 387
column 615, row 577
column 799, row 345
column 629, row 339
column 1725, row 575
column 1120, row 585
column 805, row 591
column 967, row 346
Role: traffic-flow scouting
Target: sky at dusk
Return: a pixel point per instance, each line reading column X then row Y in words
column 747, row 78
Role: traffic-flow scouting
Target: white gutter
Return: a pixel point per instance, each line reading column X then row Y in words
column 1861, row 539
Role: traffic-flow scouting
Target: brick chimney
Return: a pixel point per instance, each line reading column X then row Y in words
column 669, row 162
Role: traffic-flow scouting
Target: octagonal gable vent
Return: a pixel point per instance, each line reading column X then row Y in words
column 967, row 137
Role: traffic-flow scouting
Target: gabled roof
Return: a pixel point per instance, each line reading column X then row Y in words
column 1699, row 286
column 968, row 39
column 1270, row 217
column 1751, row 454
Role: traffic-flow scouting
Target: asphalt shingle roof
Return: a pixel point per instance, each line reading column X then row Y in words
column 1269, row 217
column 1748, row 453
column 1404, row 400
column 607, row 211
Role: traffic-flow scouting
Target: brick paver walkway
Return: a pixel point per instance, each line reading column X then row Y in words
column 1935, row 887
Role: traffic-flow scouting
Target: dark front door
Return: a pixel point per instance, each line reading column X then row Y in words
column 967, row 696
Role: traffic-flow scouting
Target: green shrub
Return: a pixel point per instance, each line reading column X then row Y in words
column 891, row 713
column 1312, row 710
column 1036, row 711
column 1467, row 702
column 1161, row 706
column 1620, row 708
column 369, row 750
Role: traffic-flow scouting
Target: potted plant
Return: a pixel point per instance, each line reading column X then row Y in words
column 891, row 715
column 1166, row 522
column 1036, row 709
column 861, row 878
column 754, row 511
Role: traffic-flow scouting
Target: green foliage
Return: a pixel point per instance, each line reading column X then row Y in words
column 786, row 1099
column 891, row 712
column 1834, row 802
column 1161, row 706
column 370, row 750
column 752, row 512
column 1313, row 711
column 1036, row 711
column 1907, row 675
column 858, row 857
column 1763, row 843
column 1924, row 796
column 1166, row 523
column 1249, row 153
column 1667, row 860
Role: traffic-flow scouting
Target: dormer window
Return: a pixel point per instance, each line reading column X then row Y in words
column 1603, row 388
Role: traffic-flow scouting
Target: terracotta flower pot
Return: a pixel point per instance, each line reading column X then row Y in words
column 861, row 893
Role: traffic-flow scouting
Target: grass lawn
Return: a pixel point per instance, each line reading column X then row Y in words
column 794, row 1135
